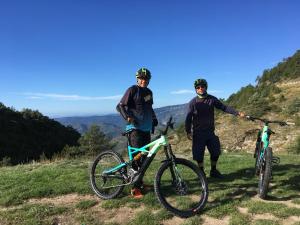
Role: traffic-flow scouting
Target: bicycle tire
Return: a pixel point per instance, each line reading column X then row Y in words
column 165, row 186
column 256, row 165
column 265, row 174
column 104, row 161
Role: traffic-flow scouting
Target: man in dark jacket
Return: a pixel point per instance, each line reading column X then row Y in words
column 200, row 126
column 136, row 108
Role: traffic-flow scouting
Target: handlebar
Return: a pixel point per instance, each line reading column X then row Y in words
column 281, row 123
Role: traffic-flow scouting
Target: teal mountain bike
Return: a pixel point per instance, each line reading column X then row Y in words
column 263, row 154
column 179, row 184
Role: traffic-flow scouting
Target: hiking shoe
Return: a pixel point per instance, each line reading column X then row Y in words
column 136, row 193
column 216, row 174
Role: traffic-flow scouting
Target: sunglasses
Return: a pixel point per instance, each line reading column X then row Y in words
column 143, row 78
column 200, row 86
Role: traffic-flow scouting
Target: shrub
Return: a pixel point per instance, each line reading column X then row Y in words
column 282, row 98
column 295, row 148
column 294, row 107
column 72, row 151
column 6, row 161
column 94, row 141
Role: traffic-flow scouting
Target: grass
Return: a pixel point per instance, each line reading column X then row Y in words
column 145, row 218
column 18, row 184
column 266, row 222
column 277, row 209
column 86, row 204
column 195, row 220
column 32, row 214
column 23, row 182
column 238, row 219
column 296, row 201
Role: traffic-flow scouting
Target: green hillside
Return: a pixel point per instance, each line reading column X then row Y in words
column 276, row 97
column 270, row 95
column 28, row 135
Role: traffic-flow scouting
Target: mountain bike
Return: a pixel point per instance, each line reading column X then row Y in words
column 263, row 155
column 180, row 186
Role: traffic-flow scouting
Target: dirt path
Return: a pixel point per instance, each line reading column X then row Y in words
column 66, row 200
column 124, row 214
column 288, row 203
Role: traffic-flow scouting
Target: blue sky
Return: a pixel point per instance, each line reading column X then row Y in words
column 67, row 58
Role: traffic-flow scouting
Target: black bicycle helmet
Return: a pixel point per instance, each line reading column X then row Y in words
column 143, row 73
column 199, row 82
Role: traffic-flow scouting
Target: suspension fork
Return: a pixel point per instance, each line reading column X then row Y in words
column 258, row 145
column 262, row 158
column 171, row 157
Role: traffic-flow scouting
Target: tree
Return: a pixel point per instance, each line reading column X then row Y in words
column 26, row 135
column 94, row 141
column 32, row 114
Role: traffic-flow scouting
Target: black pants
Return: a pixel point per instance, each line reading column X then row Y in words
column 139, row 139
column 205, row 139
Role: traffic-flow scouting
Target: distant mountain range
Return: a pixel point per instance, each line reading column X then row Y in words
column 113, row 124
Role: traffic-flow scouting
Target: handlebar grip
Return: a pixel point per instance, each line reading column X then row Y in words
column 290, row 123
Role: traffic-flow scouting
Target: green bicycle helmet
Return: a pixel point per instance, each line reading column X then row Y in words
column 199, row 82
column 143, row 73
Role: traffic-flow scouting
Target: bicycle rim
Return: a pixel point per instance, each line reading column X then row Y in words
column 184, row 194
column 107, row 185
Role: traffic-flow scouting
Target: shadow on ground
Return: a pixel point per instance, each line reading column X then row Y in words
column 243, row 185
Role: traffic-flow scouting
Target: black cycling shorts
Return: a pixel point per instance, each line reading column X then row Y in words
column 202, row 140
column 139, row 138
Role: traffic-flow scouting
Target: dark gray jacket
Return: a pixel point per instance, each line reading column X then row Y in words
column 201, row 116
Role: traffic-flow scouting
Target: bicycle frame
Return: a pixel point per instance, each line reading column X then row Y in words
column 265, row 139
column 156, row 144
column 154, row 147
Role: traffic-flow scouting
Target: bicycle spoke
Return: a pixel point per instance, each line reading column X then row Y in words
column 107, row 185
column 184, row 194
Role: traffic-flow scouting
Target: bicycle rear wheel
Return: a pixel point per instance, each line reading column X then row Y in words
column 181, row 188
column 107, row 185
column 265, row 174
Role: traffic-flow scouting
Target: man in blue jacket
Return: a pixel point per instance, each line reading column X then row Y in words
column 200, row 126
column 136, row 108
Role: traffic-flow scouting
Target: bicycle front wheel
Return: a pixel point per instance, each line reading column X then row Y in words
column 181, row 187
column 257, row 157
column 107, row 185
column 265, row 174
